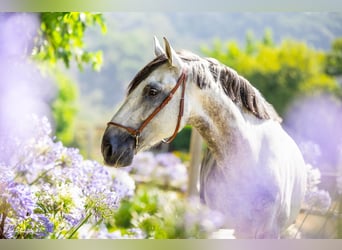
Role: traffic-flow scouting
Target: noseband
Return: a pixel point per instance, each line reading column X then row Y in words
column 136, row 133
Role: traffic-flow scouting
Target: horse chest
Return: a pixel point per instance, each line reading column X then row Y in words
column 231, row 188
column 246, row 198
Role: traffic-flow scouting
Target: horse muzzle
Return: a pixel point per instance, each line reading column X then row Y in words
column 117, row 147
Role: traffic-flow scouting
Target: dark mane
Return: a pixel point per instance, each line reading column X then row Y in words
column 205, row 71
column 239, row 89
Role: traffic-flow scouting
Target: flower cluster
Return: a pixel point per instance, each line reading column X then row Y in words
column 316, row 198
column 48, row 190
column 159, row 214
column 163, row 169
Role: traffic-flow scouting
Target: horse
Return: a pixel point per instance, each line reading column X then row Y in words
column 253, row 172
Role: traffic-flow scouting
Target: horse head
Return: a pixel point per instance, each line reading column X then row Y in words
column 154, row 109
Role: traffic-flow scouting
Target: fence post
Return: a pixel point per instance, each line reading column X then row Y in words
column 196, row 142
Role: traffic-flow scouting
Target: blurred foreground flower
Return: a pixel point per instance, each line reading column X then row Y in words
column 159, row 214
column 315, row 198
column 48, row 190
column 164, row 169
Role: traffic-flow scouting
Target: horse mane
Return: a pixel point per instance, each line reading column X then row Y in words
column 236, row 87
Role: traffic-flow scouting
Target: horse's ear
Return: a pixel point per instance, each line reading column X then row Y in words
column 158, row 50
column 172, row 56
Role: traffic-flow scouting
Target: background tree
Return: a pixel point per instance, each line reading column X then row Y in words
column 64, row 108
column 334, row 58
column 281, row 72
column 61, row 38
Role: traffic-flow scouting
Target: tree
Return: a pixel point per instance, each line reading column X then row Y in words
column 334, row 58
column 64, row 108
column 281, row 72
column 60, row 38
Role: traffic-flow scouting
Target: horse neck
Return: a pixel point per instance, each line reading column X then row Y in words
column 219, row 121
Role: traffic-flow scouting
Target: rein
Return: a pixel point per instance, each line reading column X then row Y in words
column 136, row 133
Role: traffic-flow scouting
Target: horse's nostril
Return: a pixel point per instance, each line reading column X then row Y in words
column 108, row 150
column 117, row 149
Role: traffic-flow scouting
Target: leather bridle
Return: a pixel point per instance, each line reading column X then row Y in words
column 136, row 133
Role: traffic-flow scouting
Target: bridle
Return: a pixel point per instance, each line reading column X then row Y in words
column 136, row 133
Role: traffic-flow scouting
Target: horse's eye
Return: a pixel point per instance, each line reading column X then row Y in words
column 152, row 89
column 153, row 92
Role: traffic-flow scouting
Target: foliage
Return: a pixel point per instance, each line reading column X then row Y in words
column 64, row 108
column 281, row 72
column 182, row 140
column 334, row 58
column 61, row 38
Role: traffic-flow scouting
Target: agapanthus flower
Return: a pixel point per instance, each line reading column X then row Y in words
column 7, row 174
column 164, row 169
column 123, row 184
column 9, row 228
column 18, row 206
column 143, row 164
column 315, row 198
column 311, row 151
column 202, row 217
column 319, row 200
column 50, row 189
column 167, row 159
column 176, row 218
column 313, row 177
column 43, row 226
column 19, row 199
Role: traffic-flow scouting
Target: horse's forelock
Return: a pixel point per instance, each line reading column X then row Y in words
column 154, row 64
column 146, row 71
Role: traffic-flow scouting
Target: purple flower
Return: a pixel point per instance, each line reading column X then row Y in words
column 318, row 199
column 9, row 228
column 318, row 119
column 311, row 151
column 123, row 184
column 42, row 226
column 20, row 198
column 73, row 220
column 313, row 177
column 6, row 176
column 143, row 164
column 53, row 181
column 167, row 159
column 198, row 215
